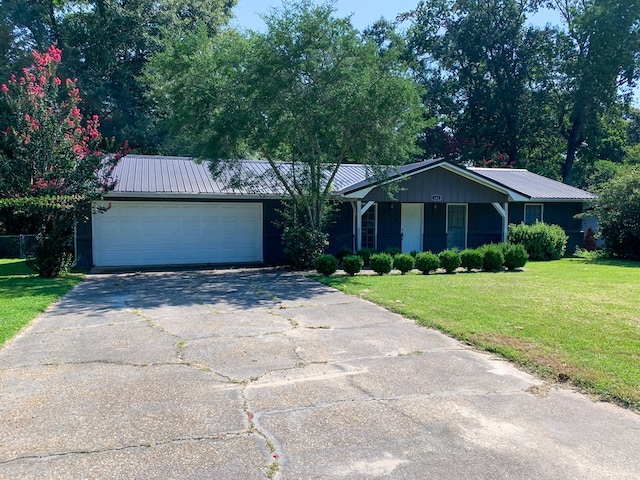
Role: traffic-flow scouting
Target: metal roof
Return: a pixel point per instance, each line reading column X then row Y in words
column 142, row 175
column 532, row 185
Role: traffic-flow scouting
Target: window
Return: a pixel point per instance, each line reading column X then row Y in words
column 369, row 228
column 533, row 213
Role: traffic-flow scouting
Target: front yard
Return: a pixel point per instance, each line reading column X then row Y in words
column 569, row 320
column 23, row 295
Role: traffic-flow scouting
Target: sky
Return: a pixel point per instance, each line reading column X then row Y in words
column 365, row 12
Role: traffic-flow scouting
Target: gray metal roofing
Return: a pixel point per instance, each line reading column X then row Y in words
column 532, row 185
column 148, row 174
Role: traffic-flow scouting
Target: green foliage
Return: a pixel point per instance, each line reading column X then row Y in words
column 326, row 264
column 343, row 252
column 107, row 45
column 404, row 262
column 381, row 263
column 471, row 259
column 427, row 262
column 393, row 251
column 540, row 240
column 306, row 95
column 492, row 257
column 618, row 211
column 366, row 253
column 515, row 256
column 449, row 260
column 352, row 264
column 454, row 44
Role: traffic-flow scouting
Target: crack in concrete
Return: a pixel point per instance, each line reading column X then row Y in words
column 150, row 444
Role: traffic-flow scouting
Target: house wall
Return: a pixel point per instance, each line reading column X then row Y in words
column 451, row 187
column 556, row 213
column 435, row 237
column 484, row 225
column 340, row 228
column 84, row 250
column 389, row 227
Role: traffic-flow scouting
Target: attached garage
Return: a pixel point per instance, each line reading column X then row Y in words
column 133, row 233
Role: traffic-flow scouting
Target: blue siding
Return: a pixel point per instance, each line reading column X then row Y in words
column 389, row 227
column 435, row 237
column 340, row 229
column 556, row 213
column 485, row 225
column 272, row 247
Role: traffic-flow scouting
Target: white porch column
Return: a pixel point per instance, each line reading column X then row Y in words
column 358, row 225
column 503, row 210
column 360, row 211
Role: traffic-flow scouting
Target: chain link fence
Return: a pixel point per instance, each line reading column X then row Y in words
column 17, row 246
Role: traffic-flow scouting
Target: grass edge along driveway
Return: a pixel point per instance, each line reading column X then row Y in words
column 571, row 320
column 23, row 295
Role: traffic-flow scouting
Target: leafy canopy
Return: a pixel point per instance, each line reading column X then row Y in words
column 311, row 91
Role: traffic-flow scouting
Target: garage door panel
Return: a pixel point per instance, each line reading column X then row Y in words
column 158, row 233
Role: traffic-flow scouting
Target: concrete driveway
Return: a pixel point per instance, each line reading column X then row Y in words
column 265, row 374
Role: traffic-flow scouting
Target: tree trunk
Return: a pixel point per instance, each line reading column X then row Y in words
column 574, row 140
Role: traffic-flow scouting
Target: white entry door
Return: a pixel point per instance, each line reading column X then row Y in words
column 412, row 224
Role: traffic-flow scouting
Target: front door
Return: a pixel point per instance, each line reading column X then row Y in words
column 457, row 226
column 412, row 226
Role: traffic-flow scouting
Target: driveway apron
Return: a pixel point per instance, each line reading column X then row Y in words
column 265, row 374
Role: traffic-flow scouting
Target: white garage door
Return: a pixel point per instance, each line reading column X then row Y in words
column 172, row 233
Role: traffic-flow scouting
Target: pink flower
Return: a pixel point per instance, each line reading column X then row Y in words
column 57, row 81
column 5, row 89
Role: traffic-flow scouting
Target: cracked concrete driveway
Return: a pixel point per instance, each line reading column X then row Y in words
column 255, row 374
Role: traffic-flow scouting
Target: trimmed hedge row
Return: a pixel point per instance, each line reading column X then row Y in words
column 490, row 258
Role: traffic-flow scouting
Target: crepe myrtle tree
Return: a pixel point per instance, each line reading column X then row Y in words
column 50, row 167
column 307, row 95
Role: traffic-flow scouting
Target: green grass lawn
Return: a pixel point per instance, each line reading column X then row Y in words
column 570, row 320
column 23, row 295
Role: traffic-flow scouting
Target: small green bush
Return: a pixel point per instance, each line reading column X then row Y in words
column 404, row 262
column 352, row 264
column 343, row 252
column 540, row 240
column 366, row 253
column 326, row 264
column 381, row 263
column 515, row 256
column 393, row 251
column 492, row 258
column 471, row 259
column 449, row 260
column 427, row 262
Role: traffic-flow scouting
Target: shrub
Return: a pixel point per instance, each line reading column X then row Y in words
column 427, row 262
column 404, row 262
column 381, row 263
column 366, row 253
column 515, row 256
column 590, row 243
column 326, row 264
column 471, row 259
column 343, row 252
column 52, row 256
column 393, row 251
column 492, row 258
column 449, row 260
column 618, row 211
column 352, row 264
column 540, row 240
